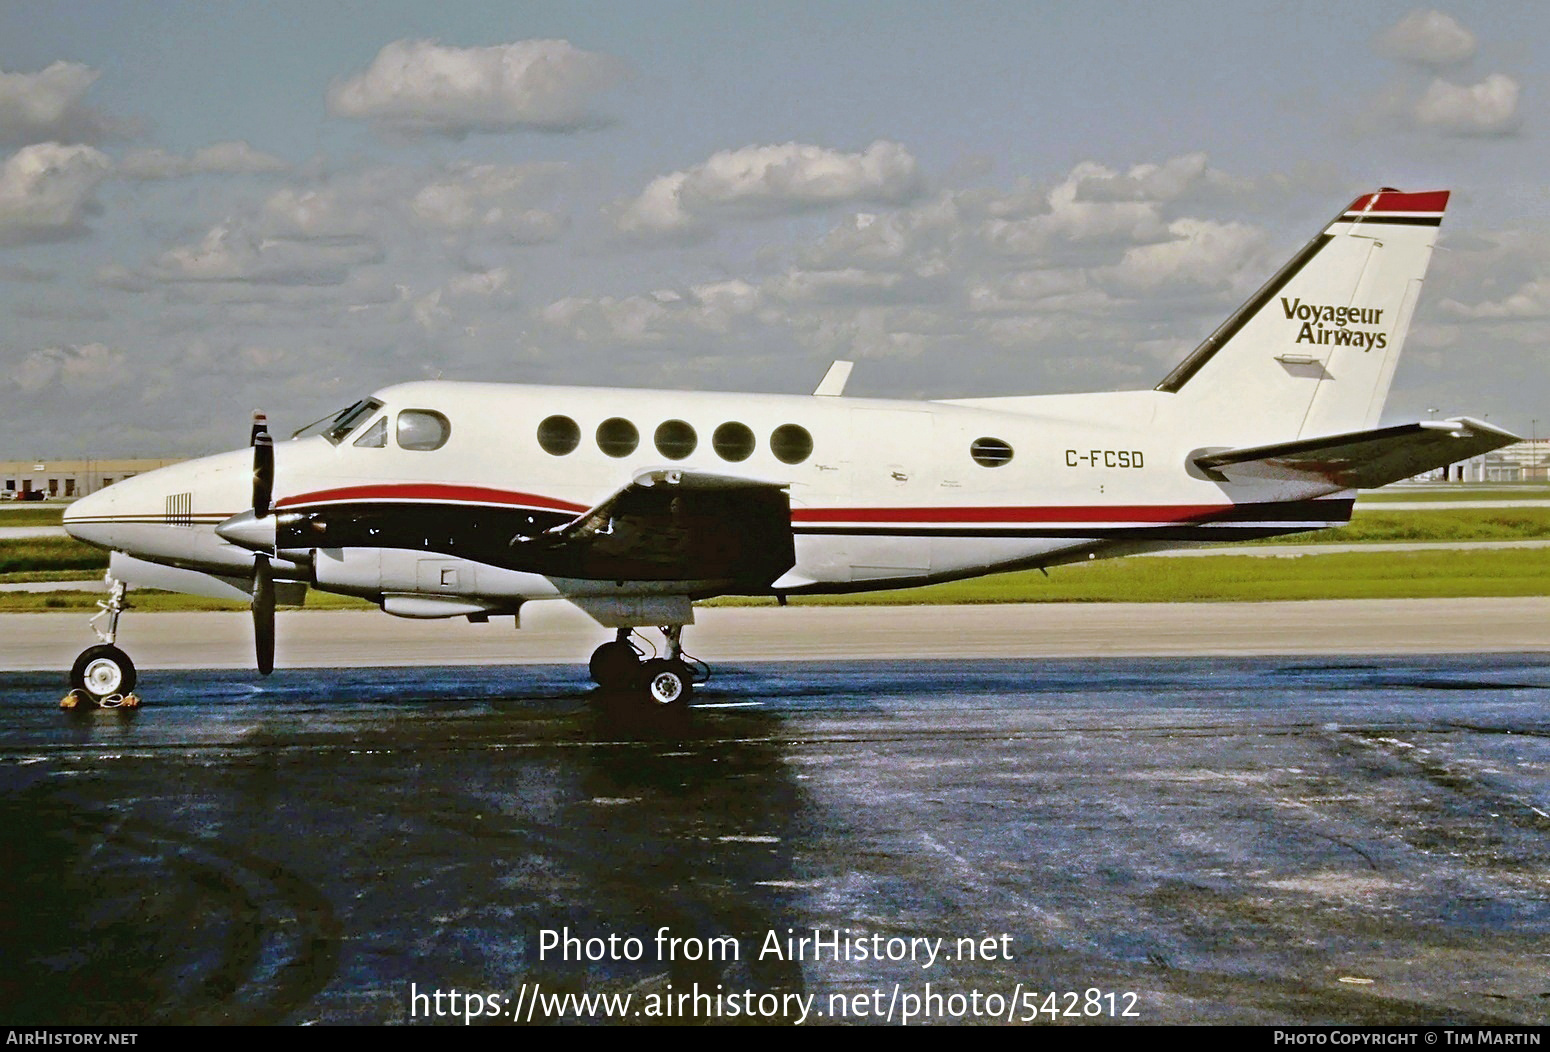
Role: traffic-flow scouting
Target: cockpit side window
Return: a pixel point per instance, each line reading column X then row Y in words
column 374, row 437
column 423, row 429
column 344, row 421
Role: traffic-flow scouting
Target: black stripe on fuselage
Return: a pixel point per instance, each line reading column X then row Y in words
column 1221, row 534
column 1239, row 523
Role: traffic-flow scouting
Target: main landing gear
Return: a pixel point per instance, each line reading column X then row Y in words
column 103, row 676
column 666, row 682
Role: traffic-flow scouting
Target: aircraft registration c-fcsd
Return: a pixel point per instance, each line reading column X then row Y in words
column 439, row 499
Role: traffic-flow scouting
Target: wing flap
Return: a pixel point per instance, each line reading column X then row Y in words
column 1361, row 459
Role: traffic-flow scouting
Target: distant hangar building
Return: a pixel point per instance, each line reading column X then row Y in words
column 70, row 478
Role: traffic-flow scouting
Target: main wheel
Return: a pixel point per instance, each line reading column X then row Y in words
column 667, row 683
column 614, row 665
column 103, row 671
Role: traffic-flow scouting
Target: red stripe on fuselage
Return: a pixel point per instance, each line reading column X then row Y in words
column 1101, row 514
column 430, row 492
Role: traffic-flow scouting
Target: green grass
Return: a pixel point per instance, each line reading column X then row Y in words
column 154, row 601
column 31, row 514
column 1333, row 576
column 1229, row 578
column 1338, row 575
column 1449, row 524
column 1460, row 492
column 42, row 554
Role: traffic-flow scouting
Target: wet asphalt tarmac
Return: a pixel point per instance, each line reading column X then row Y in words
column 1287, row 840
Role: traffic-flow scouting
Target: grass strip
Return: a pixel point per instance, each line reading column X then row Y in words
column 1225, row 578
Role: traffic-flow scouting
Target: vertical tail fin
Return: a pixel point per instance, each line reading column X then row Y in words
column 1313, row 351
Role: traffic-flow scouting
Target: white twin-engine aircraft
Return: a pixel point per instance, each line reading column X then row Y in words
column 439, row 499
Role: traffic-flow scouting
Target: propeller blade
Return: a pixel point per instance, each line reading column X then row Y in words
column 263, row 465
column 263, row 613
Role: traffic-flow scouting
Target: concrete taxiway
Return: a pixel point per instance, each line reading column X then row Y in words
column 556, row 632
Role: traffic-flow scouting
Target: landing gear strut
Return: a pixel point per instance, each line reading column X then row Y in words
column 103, row 675
column 666, row 681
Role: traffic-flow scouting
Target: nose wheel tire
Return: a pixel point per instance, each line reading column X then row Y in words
column 667, row 683
column 102, row 672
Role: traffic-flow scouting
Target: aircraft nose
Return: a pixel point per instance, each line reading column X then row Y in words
column 89, row 518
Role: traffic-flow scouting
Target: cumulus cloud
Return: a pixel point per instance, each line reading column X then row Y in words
column 231, row 253
column 1529, row 301
column 1428, row 38
column 222, row 158
column 760, row 181
column 1188, row 175
column 1082, row 279
column 47, row 107
column 1432, row 41
column 1487, row 108
column 1200, row 254
column 87, row 368
column 491, row 197
column 420, row 86
column 47, row 189
column 333, row 230
column 651, row 318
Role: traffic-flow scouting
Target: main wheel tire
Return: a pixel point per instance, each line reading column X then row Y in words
column 667, row 684
column 614, row 665
column 103, row 671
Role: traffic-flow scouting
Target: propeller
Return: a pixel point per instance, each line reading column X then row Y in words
column 255, row 530
column 263, row 573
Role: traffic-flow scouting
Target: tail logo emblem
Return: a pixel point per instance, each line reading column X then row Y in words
column 1317, row 319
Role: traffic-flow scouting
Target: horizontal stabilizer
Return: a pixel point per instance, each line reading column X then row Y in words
column 1362, row 459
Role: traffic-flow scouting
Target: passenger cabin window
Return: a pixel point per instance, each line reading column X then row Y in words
column 559, row 435
column 675, row 439
column 990, row 452
column 791, row 443
column 374, row 437
column 617, row 437
column 733, row 441
column 422, row 429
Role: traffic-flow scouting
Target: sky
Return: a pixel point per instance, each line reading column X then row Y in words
column 207, row 208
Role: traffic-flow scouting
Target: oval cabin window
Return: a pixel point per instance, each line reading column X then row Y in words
column 990, row 452
column 733, row 441
column 791, row 443
column 675, row 439
column 559, row 435
column 617, row 437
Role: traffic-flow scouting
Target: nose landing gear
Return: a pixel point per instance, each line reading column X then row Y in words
column 103, row 676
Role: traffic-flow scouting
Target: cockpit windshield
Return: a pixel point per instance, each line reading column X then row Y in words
column 336, row 426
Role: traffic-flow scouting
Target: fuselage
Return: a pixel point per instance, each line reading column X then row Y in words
column 427, row 488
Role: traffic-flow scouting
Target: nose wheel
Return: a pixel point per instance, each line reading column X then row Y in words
column 103, row 672
column 103, row 675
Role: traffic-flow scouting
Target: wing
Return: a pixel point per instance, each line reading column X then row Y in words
column 1362, row 459
column 670, row 525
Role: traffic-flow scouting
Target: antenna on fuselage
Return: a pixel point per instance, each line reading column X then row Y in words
column 833, row 383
